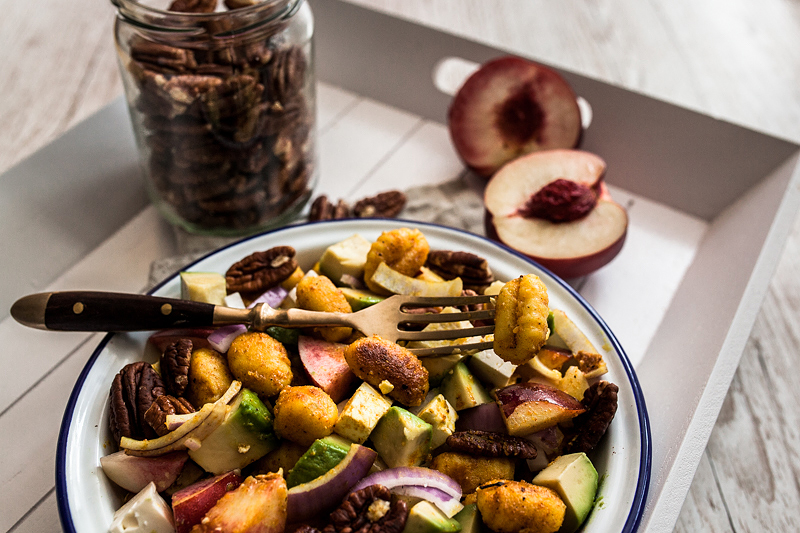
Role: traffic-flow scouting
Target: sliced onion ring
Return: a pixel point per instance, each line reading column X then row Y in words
column 222, row 338
column 202, row 424
column 444, row 501
column 411, row 475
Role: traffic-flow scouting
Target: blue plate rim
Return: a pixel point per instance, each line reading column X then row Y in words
column 645, row 462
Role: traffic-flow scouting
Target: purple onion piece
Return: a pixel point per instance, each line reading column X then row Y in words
column 220, row 339
column 411, row 475
column 272, row 297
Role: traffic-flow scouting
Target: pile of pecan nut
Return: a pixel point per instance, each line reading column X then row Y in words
column 226, row 125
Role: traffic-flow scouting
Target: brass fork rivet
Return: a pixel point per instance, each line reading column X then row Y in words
column 166, row 309
column 77, row 308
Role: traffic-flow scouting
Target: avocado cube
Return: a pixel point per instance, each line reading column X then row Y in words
column 244, row 436
column 360, row 299
column 462, row 389
column 346, row 257
column 425, row 517
column 470, row 519
column 205, row 287
column 402, row 439
column 574, row 478
column 321, row 456
column 438, row 367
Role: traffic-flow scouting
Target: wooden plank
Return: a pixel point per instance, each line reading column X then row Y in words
column 704, row 509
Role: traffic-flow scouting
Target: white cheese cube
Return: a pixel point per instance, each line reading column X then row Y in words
column 440, row 414
column 489, row 368
column 361, row 413
column 147, row 512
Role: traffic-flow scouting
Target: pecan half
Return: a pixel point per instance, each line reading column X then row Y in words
column 133, row 391
column 369, row 510
column 323, row 209
column 387, row 204
column 600, row 400
column 489, row 444
column 193, row 6
column 156, row 416
column 175, row 366
column 473, row 270
column 261, row 270
column 560, row 201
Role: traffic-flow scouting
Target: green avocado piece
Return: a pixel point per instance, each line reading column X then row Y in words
column 244, row 436
column 574, row 478
column 346, row 257
column 462, row 389
column 283, row 335
column 439, row 366
column 359, row 299
column 321, row 456
column 402, row 439
column 470, row 519
column 425, row 517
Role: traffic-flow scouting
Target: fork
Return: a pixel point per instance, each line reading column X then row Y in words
column 110, row 311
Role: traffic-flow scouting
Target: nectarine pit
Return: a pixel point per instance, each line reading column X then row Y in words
column 561, row 200
column 520, row 117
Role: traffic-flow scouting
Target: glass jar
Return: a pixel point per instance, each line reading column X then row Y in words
column 223, row 109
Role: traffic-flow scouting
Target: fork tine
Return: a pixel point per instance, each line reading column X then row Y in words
column 444, row 334
column 428, row 318
column 452, row 348
column 444, row 301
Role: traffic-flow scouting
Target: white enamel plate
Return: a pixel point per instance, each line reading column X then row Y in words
column 87, row 499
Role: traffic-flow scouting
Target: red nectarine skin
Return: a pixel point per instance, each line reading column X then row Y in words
column 509, row 107
column 512, row 396
column 189, row 505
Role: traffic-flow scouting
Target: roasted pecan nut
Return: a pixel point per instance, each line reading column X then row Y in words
column 489, row 444
column 387, row 204
column 156, row 416
column 193, row 6
column 238, row 4
column 473, row 270
column 369, row 510
column 133, row 391
column 600, row 400
column 323, row 209
column 175, row 366
column 261, row 270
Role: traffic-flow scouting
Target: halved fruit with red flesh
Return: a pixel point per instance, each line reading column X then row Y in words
column 581, row 238
column 531, row 407
column 190, row 504
column 258, row 505
column 510, row 107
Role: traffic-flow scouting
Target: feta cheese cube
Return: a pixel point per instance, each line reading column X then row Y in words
column 361, row 413
column 147, row 512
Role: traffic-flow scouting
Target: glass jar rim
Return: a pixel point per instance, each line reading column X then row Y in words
column 265, row 12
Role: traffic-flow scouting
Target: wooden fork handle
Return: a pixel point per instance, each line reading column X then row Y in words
column 108, row 311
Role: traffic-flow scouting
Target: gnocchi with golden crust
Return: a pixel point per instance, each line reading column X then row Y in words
column 318, row 293
column 471, row 471
column 520, row 507
column 260, row 362
column 521, row 319
column 304, row 414
column 404, row 250
column 209, row 377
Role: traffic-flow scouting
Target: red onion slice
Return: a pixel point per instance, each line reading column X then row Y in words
column 222, row 338
column 444, row 501
column 412, row 475
column 272, row 297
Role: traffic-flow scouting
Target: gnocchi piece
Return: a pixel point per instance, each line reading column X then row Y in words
column 472, row 471
column 404, row 250
column 521, row 319
column 517, row 506
column 260, row 362
column 318, row 293
column 304, row 414
column 209, row 377
column 376, row 360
